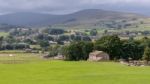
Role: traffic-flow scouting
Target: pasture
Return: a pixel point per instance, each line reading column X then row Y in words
column 4, row 34
column 64, row 72
column 19, row 57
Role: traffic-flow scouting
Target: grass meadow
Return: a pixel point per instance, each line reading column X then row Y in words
column 17, row 67
column 4, row 34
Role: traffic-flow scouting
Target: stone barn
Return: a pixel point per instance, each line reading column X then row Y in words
column 98, row 56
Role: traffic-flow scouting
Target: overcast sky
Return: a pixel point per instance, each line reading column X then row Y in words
column 68, row 6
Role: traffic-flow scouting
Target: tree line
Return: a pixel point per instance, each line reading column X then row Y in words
column 113, row 45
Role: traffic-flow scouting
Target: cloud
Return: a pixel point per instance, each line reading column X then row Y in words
column 64, row 6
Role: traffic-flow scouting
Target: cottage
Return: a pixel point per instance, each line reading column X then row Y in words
column 98, row 56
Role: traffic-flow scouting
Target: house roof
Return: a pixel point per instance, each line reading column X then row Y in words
column 97, row 52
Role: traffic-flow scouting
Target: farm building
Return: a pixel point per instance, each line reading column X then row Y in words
column 98, row 56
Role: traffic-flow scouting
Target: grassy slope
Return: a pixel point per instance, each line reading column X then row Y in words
column 58, row 72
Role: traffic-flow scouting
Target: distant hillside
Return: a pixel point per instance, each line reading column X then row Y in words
column 90, row 17
column 25, row 18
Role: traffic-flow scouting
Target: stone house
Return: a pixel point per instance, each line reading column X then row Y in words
column 98, row 56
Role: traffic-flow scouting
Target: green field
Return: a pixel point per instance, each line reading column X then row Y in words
column 19, row 57
column 61, row 72
column 4, row 34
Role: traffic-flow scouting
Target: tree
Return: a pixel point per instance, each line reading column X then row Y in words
column 78, row 51
column 146, row 55
column 86, row 38
column 105, row 32
column 93, row 32
column 56, row 31
column 63, row 38
column 1, row 41
column 20, row 45
column 110, row 44
column 29, row 41
column 50, row 38
column 40, row 37
column 44, row 44
column 132, row 49
column 86, row 49
column 54, row 50
column 145, row 42
column 74, row 52
column 78, row 38
column 10, row 39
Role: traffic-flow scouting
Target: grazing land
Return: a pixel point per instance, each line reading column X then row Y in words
column 18, row 57
column 64, row 72
column 4, row 34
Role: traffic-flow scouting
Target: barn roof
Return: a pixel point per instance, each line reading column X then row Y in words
column 97, row 52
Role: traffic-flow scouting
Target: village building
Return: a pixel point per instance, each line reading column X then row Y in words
column 52, row 42
column 98, row 56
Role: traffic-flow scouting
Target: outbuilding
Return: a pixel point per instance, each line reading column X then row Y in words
column 98, row 56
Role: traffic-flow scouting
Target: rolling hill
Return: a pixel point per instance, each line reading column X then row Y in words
column 89, row 17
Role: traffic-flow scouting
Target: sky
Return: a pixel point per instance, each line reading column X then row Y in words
column 69, row 6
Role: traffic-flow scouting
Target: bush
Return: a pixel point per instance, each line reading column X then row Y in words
column 78, row 51
column 146, row 55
